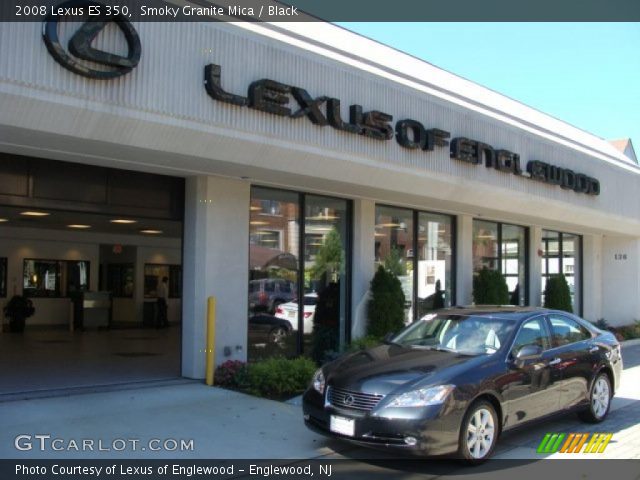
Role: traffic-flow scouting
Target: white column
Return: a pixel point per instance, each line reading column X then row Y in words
column 464, row 260
column 364, row 221
column 620, row 280
column 592, row 277
column 535, row 266
column 216, row 262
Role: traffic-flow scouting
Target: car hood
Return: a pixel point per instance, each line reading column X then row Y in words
column 383, row 369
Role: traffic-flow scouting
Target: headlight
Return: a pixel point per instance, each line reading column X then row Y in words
column 423, row 397
column 318, row 382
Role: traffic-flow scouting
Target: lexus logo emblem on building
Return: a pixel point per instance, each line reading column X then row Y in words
column 348, row 400
column 80, row 48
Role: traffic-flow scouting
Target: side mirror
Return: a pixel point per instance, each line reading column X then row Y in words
column 527, row 352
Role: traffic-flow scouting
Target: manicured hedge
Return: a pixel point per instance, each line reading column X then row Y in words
column 490, row 288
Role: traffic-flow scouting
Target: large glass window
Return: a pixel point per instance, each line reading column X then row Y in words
column 502, row 247
column 291, row 262
column 54, row 278
column 561, row 253
column 435, row 261
column 418, row 248
column 153, row 275
column 120, row 279
column 394, row 249
column 325, row 248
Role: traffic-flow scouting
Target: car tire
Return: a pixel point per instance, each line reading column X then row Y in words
column 474, row 449
column 277, row 335
column 599, row 400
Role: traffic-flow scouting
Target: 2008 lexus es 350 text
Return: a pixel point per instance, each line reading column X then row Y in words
column 451, row 382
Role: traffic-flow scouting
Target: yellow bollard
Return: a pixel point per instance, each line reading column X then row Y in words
column 211, row 340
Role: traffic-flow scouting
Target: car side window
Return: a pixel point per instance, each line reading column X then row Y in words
column 532, row 332
column 269, row 287
column 564, row 330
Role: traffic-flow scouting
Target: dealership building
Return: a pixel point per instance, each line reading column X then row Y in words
column 269, row 166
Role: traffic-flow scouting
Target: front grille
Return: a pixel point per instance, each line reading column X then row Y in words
column 339, row 397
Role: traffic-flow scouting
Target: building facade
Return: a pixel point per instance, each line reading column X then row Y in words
column 310, row 155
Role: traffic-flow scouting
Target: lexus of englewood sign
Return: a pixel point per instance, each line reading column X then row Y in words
column 274, row 97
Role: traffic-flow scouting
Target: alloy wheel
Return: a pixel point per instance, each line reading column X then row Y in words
column 600, row 397
column 278, row 335
column 481, row 433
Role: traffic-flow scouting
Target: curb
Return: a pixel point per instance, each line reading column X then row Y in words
column 630, row 343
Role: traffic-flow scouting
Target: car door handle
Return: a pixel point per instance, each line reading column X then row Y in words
column 594, row 349
column 555, row 361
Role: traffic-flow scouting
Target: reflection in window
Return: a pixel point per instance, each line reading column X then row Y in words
column 153, row 275
column 54, row 278
column 291, row 260
column 274, row 242
column 324, row 274
column 435, row 254
column 430, row 268
column 561, row 254
column 502, row 247
column 394, row 249
column 565, row 330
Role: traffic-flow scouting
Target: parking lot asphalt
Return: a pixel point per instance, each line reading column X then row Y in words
column 191, row 420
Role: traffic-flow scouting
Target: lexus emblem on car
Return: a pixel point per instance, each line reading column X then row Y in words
column 80, row 45
column 348, row 400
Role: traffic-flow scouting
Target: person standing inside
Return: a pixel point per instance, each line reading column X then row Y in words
column 162, row 319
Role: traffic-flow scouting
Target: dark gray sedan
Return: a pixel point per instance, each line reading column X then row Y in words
column 451, row 382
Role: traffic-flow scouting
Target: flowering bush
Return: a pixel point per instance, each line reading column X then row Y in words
column 231, row 373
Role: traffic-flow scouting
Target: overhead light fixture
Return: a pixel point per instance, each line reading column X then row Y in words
column 255, row 208
column 2, row 220
column 263, row 232
column 485, row 236
column 318, row 229
column 124, row 221
column 388, row 225
column 380, row 234
column 151, row 232
column 78, row 226
column 322, row 217
column 33, row 213
column 258, row 222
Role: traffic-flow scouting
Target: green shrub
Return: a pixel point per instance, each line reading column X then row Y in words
column 629, row 332
column 279, row 377
column 363, row 343
column 395, row 263
column 556, row 294
column 231, row 373
column 490, row 288
column 602, row 324
column 386, row 307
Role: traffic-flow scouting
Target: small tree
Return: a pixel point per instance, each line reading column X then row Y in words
column 557, row 294
column 330, row 257
column 395, row 263
column 386, row 307
column 490, row 288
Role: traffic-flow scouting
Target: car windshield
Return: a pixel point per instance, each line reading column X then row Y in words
column 465, row 334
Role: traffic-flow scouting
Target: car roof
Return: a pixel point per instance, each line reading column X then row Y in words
column 501, row 311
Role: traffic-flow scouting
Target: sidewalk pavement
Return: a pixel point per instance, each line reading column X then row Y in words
column 230, row 425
